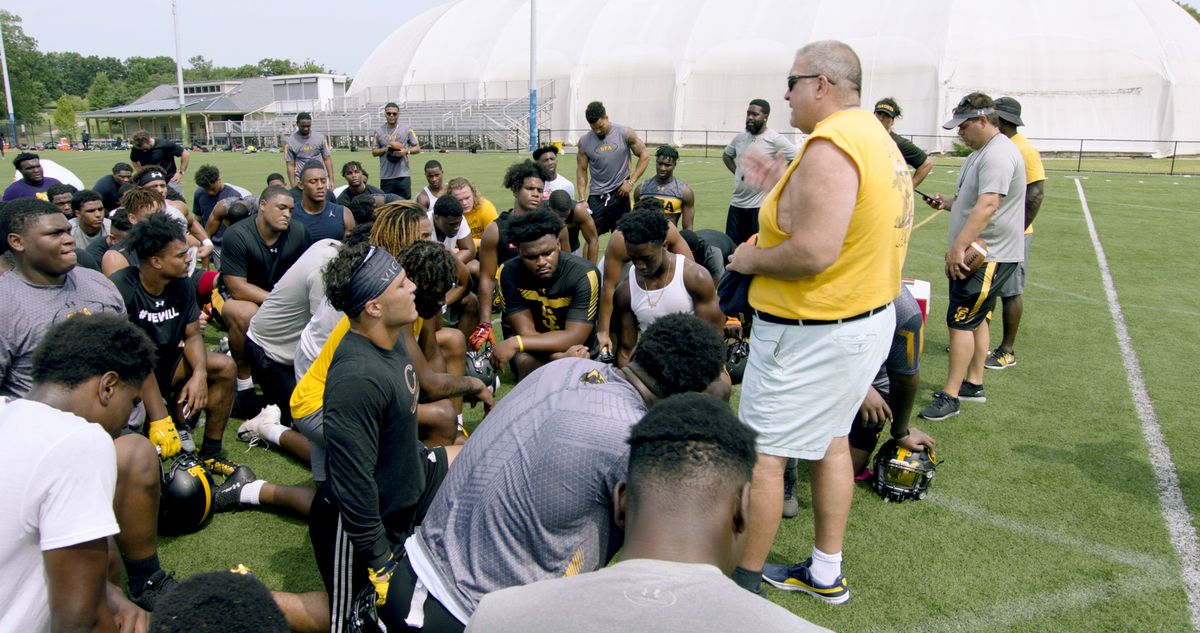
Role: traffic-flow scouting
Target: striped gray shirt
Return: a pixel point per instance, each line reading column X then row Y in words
column 530, row 496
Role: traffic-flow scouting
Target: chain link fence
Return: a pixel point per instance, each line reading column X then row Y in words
column 1118, row 156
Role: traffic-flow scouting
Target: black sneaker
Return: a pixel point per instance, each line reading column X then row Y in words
column 228, row 495
column 943, row 406
column 971, row 392
column 220, row 466
column 246, row 404
column 158, row 583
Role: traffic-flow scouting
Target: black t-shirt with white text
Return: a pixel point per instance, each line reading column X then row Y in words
column 164, row 318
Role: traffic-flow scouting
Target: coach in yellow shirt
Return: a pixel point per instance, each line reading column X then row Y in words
column 833, row 233
column 1009, row 110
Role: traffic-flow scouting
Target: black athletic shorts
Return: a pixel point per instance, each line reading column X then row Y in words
column 343, row 570
column 276, row 379
column 607, row 208
column 438, row 619
column 740, row 224
column 972, row 299
column 399, row 186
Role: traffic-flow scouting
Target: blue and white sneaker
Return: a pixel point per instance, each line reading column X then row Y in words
column 798, row 578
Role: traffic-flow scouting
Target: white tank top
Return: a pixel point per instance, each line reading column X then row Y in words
column 432, row 198
column 649, row 305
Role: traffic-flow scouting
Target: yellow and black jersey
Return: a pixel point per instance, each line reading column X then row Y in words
column 572, row 294
column 670, row 192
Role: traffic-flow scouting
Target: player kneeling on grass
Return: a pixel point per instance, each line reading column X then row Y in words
column 555, row 447
column 681, row 542
column 159, row 300
column 550, row 298
column 60, row 476
column 380, row 477
column 891, row 395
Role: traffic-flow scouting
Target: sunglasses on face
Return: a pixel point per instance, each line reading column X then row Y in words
column 792, row 80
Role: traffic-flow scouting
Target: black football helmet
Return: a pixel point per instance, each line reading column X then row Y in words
column 737, row 351
column 187, row 495
column 901, row 474
column 479, row 365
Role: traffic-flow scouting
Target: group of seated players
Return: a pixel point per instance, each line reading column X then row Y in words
column 412, row 523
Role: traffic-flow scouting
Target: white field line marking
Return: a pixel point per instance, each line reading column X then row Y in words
column 1066, row 293
column 1035, row 607
column 1145, row 562
column 1175, row 510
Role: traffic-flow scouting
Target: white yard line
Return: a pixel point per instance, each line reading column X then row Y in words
column 1145, row 562
column 1175, row 510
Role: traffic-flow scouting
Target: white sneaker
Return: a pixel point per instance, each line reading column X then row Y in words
column 252, row 430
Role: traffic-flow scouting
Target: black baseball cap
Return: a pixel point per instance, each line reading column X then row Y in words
column 888, row 106
column 1009, row 109
column 545, row 149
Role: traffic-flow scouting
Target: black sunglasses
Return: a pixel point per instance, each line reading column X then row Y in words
column 792, row 79
column 391, row 114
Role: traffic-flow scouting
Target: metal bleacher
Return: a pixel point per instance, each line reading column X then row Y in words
column 480, row 123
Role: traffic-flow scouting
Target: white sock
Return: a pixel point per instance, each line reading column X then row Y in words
column 825, row 568
column 250, row 492
column 272, row 432
column 245, row 383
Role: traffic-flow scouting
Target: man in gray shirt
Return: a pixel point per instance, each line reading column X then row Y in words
column 393, row 142
column 742, row 220
column 604, row 158
column 680, row 542
column 989, row 206
column 531, row 495
column 303, row 146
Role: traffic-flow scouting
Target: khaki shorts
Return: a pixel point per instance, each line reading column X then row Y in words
column 804, row 384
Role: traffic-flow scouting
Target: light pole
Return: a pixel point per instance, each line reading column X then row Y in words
column 532, row 75
column 179, row 74
column 12, row 119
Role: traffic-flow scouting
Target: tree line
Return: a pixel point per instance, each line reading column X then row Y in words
column 70, row 82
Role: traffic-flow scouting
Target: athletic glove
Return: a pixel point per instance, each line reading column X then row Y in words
column 164, row 436
column 381, row 577
column 483, row 333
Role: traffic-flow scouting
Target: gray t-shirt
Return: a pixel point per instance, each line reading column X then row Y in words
column 995, row 168
column 636, row 595
column 301, row 149
column 277, row 325
column 384, row 135
column 530, row 496
column 771, row 142
column 608, row 159
column 83, row 240
column 27, row 311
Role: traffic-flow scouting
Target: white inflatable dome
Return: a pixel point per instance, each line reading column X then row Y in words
column 1117, row 69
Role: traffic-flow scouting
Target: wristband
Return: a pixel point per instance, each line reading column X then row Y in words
column 520, row 344
column 902, row 435
column 207, row 242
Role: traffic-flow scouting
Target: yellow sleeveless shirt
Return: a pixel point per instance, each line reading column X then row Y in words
column 866, row 274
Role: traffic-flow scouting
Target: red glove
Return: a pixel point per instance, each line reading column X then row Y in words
column 482, row 334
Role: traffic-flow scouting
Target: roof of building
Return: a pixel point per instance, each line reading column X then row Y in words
column 248, row 95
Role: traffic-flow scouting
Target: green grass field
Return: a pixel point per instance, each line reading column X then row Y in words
column 1044, row 515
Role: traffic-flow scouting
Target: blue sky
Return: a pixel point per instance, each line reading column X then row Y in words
column 339, row 34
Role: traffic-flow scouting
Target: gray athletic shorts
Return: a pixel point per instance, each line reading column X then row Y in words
column 312, row 426
column 1014, row 286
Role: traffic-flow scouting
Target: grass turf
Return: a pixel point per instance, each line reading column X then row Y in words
column 1044, row 515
